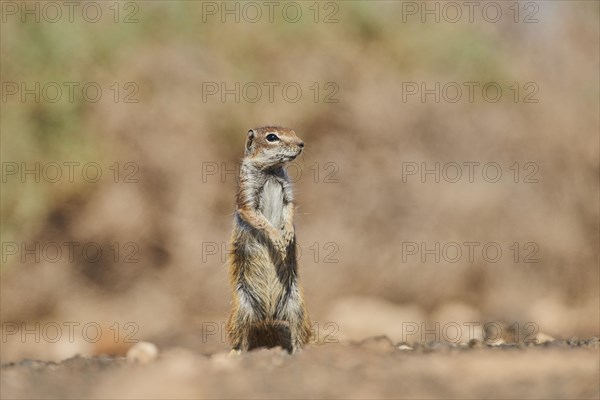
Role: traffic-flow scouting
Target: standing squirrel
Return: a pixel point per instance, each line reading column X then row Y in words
column 267, row 300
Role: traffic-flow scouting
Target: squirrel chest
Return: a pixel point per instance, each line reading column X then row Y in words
column 271, row 202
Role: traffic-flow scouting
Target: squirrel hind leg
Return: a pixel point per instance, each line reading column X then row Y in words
column 270, row 334
column 300, row 334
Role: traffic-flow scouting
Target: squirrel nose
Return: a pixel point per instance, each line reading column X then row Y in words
column 301, row 144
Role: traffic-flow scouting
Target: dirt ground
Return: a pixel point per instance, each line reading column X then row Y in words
column 372, row 368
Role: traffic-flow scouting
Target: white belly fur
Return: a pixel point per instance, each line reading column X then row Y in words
column 271, row 202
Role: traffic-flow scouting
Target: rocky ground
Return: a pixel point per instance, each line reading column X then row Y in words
column 372, row 368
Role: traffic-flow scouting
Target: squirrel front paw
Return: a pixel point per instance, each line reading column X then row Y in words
column 279, row 243
column 287, row 232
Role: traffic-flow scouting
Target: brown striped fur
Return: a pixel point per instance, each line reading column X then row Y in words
column 267, row 301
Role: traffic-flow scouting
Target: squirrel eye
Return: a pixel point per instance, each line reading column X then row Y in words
column 272, row 137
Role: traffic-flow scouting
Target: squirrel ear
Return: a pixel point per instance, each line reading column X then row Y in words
column 249, row 140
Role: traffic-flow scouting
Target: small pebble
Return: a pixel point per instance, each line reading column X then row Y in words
column 142, row 353
column 497, row 342
column 543, row 338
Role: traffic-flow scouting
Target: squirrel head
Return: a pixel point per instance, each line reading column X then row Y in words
column 271, row 146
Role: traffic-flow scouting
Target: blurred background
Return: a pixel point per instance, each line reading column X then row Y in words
column 162, row 96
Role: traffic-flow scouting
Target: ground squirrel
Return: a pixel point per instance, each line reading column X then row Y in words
column 268, row 306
